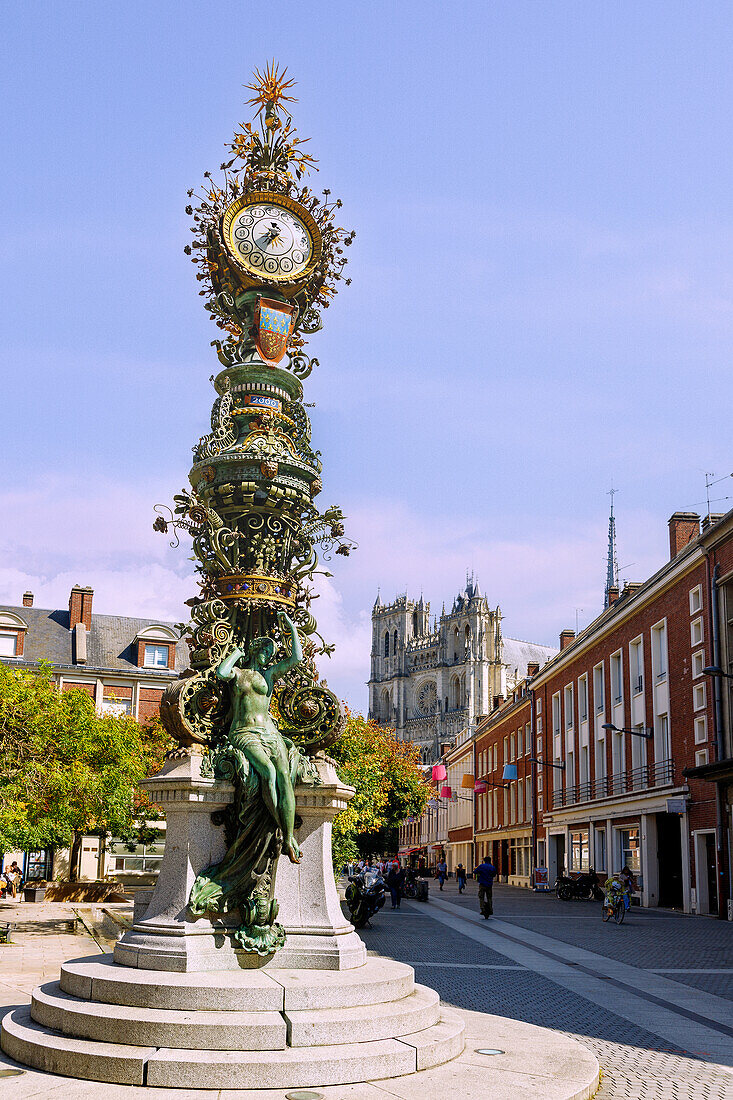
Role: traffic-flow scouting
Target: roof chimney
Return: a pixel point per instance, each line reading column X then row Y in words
column 568, row 636
column 710, row 519
column 612, row 594
column 533, row 667
column 498, row 700
column 80, row 606
column 27, row 599
column 683, row 528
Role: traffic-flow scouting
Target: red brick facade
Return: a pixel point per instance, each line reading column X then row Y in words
column 618, row 751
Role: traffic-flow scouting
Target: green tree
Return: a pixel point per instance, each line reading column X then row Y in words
column 64, row 769
column 389, row 787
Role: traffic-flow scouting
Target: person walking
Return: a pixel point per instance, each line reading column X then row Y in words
column 395, row 882
column 461, row 877
column 442, row 872
column 486, row 873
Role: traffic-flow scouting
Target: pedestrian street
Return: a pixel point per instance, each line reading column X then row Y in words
column 652, row 998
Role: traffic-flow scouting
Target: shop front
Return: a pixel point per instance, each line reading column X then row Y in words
column 460, row 849
column 653, row 845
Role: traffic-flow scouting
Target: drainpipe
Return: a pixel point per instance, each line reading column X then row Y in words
column 720, row 811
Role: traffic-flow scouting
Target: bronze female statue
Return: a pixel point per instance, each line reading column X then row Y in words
column 264, row 767
column 253, row 730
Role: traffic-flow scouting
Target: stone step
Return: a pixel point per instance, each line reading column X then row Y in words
column 81, row 1019
column 439, row 1043
column 99, row 978
column 333, row 1026
column 379, row 980
column 42, row 1048
column 34, row 1045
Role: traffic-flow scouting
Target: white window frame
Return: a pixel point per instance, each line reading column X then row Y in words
column 660, row 655
column 617, row 678
column 698, row 663
column 697, row 632
column 699, row 697
column 583, row 697
column 636, row 665
column 164, row 647
column 556, row 714
column 701, row 729
column 569, row 706
column 12, row 637
column 696, row 599
column 599, row 679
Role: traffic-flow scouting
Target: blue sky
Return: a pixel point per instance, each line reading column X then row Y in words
column 542, row 298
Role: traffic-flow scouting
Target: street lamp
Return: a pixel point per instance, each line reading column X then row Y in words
column 716, row 670
column 646, row 732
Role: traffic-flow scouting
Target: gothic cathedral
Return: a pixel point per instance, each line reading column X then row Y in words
column 429, row 684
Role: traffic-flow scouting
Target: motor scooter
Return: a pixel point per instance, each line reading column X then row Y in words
column 365, row 896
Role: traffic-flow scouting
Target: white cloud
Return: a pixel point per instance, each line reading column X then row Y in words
column 55, row 536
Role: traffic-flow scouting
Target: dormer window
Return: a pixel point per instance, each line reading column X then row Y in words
column 156, row 655
column 12, row 634
column 156, row 648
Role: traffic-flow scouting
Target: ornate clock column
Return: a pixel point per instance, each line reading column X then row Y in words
column 251, row 705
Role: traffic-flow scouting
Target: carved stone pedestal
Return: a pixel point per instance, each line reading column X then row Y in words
column 318, row 936
column 166, row 938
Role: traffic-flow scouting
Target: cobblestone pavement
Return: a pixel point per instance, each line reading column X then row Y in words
column 636, row 1061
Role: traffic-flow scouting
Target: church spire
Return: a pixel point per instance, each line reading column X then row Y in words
column 612, row 564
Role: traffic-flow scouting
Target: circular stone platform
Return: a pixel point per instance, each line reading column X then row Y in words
column 534, row 1061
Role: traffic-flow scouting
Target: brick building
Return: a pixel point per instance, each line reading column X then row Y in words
column 619, row 747
column 124, row 664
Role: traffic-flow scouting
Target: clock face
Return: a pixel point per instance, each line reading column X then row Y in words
column 271, row 238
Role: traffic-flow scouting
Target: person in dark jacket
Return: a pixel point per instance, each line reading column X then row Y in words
column 461, row 877
column 486, row 873
column 395, row 882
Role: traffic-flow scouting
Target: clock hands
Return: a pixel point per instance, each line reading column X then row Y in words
column 272, row 234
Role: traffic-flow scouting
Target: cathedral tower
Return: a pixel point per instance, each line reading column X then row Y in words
column 429, row 684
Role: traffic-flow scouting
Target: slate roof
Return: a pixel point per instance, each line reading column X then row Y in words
column 110, row 643
column 517, row 654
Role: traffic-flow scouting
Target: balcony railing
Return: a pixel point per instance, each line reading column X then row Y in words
column 659, row 774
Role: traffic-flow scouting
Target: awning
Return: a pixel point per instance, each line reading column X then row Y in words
column 436, row 847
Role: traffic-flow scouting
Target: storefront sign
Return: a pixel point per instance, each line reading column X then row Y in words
column 676, row 805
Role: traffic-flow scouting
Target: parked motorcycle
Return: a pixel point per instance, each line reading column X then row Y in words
column 365, row 896
column 582, row 887
column 415, row 888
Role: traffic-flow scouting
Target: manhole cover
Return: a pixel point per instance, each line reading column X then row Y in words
column 489, row 1050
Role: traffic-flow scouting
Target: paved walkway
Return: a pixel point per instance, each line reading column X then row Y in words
column 651, row 997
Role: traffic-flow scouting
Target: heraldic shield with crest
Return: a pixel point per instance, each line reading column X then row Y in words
column 271, row 329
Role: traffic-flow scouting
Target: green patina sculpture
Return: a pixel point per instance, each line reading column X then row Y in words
column 269, row 254
column 253, row 730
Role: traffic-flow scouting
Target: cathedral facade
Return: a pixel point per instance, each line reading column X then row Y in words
column 431, row 682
